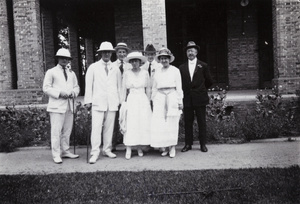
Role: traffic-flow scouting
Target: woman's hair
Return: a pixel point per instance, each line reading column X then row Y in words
column 135, row 59
column 163, row 56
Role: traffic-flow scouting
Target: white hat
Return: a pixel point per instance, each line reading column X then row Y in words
column 165, row 52
column 106, row 46
column 135, row 55
column 63, row 52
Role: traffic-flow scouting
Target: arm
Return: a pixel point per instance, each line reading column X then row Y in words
column 178, row 84
column 148, row 86
column 48, row 85
column 76, row 88
column 89, row 80
column 124, row 89
column 154, row 88
column 119, row 84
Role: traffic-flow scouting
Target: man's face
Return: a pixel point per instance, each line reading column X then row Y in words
column 150, row 56
column 106, row 55
column 191, row 53
column 121, row 54
column 63, row 61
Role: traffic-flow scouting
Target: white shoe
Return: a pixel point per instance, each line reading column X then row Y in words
column 164, row 153
column 70, row 155
column 140, row 152
column 172, row 152
column 128, row 153
column 57, row 160
column 110, row 154
column 93, row 159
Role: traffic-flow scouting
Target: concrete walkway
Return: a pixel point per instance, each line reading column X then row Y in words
column 263, row 153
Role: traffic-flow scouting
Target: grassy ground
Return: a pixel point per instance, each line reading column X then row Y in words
column 270, row 185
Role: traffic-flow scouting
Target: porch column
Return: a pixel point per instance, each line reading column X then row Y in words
column 74, row 50
column 5, row 62
column 154, row 23
column 286, row 45
column 28, row 39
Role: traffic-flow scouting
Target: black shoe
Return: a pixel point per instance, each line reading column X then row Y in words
column 203, row 148
column 186, row 148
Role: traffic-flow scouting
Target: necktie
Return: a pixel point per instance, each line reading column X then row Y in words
column 149, row 69
column 106, row 69
column 65, row 73
column 121, row 67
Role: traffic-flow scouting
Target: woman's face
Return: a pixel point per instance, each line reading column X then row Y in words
column 136, row 63
column 164, row 60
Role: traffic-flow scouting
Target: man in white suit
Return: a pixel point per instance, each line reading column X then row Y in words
column 102, row 95
column 60, row 84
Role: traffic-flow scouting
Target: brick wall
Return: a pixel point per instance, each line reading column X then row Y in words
column 128, row 23
column 242, row 48
column 22, row 97
column 28, row 40
column 286, row 37
column 154, row 23
column 5, row 63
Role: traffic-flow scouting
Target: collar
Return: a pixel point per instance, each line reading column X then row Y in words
column 193, row 61
column 108, row 64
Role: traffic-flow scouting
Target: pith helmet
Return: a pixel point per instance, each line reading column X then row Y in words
column 63, row 52
column 106, row 46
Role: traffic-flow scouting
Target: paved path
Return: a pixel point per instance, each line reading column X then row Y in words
column 268, row 153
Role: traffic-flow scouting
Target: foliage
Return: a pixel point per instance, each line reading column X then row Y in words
column 262, row 185
column 271, row 117
column 222, row 124
column 23, row 128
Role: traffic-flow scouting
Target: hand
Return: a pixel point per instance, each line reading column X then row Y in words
column 180, row 106
column 88, row 106
column 72, row 95
column 63, row 95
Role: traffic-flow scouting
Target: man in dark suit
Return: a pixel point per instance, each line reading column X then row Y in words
column 196, row 80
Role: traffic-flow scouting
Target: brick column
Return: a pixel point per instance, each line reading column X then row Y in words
column 48, row 40
column 5, row 62
column 286, row 38
column 28, row 40
column 154, row 23
column 242, row 46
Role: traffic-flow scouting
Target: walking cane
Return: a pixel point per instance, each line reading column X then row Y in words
column 74, row 117
column 87, row 139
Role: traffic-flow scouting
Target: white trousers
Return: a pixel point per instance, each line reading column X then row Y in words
column 105, row 120
column 61, row 128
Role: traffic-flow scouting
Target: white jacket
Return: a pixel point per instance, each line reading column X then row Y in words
column 103, row 90
column 54, row 83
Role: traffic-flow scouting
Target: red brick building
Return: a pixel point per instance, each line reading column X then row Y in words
column 249, row 44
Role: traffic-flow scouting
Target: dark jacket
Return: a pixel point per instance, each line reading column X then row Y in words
column 195, row 91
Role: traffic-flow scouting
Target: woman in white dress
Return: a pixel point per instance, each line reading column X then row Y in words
column 136, row 83
column 167, row 104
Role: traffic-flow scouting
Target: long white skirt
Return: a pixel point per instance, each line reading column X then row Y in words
column 164, row 129
column 138, row 120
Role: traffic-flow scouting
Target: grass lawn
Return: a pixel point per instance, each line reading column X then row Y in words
column 262, row 185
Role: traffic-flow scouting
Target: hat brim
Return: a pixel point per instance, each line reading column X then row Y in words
column 63, row 56
column 192, row 46
column 142, row 58
column 172, row 58
column 149, row 52
column 119, row 47
column 111, row 50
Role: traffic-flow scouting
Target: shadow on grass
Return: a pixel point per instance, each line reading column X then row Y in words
column 262, row 185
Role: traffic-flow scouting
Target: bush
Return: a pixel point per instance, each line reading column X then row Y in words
column 23, row 128
column 271, row 117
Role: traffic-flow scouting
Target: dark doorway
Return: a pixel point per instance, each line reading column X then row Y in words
column 265, row 44
column 205, row 23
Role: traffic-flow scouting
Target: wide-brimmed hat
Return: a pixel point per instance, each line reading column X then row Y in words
column 122, row 45
column 150, row 49
column 192, row 44
column 63, row 52
column 164, row 52
column 135, row 55
column 106, row 46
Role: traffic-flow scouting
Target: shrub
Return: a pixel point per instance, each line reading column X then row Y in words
column 271, row 117
column 23, row 128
